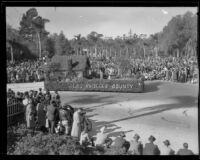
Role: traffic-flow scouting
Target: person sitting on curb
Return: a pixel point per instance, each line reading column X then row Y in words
column 151, row 148
column 167, row 149
column 185, row 150
column 101, row 137
column 85, row 138
column 136, row 146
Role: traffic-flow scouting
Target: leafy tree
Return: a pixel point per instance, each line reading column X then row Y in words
column 32, row 28
column 177, row 33
column 17, row 46
column 12, row 36
column 62, row 45
column 50, row 46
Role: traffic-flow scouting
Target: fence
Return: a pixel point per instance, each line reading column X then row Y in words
column 15, row 112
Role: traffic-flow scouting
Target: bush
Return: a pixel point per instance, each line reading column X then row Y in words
column 21, row 142
column 47, row 144
column 14, row 134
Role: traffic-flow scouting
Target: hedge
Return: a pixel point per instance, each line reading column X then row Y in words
column 103, row 85
column 21, row 142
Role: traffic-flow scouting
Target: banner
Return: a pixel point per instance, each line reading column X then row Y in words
column 97, row 85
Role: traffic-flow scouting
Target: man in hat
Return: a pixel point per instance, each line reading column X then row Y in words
column 120, row 142
column 167, row 149
column 52, row 113
column 48, row 94
column 136, row 146
column 41, row 114
column 57, row 95
column 185, row 150
column 40, row 92
column 151, row 148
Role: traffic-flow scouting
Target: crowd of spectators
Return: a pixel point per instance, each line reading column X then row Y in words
column 44, row 112
column 181, row 69
column 25, row 71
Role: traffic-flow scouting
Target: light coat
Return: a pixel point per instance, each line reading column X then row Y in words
column 76, row 127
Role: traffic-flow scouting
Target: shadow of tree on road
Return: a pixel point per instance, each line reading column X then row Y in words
column 89, row 99
column 116, row 134
column 97, row 125
column 183, row 102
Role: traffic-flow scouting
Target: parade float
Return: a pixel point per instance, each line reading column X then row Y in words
column 73, row 73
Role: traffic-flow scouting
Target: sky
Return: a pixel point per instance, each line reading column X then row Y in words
column 109, row 21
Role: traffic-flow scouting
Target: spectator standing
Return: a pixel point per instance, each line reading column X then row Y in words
column 151, row 148
column 51, row 116
column 64, row 117
column 167, row 149
column 120, row 142
column 41, row 114
column 185, row 150
column 136, row 147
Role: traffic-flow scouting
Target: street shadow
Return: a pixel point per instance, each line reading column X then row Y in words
column 116, row 134
column 89, row 116
column 151, row 87
column 97, row 125
column 183, row 102
column 91, row 108
column 89, row 99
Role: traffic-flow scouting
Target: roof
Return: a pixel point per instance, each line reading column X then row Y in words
column 79, row 62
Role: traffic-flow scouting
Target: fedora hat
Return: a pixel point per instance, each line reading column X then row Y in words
column 166, row 142
column 152, row 138
column 122, row 134
column 136, row 136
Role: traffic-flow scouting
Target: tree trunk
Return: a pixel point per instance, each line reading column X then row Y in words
column 11, row 52
column 127, row 52
column 39, row 45
column 177, row 53
column 95, row 51
column 156, row 51
column 144, row 51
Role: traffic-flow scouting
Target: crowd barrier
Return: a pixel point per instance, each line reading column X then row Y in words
column 15, row 112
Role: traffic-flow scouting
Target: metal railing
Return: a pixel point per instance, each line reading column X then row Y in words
column 15, row 112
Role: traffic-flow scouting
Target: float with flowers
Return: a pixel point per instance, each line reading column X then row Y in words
column 72, row 73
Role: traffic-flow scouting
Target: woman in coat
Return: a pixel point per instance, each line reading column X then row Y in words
column 76, row 127
column 30, row 115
